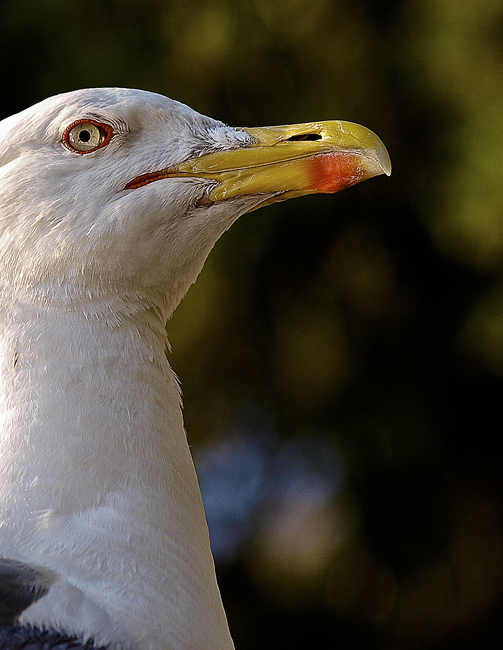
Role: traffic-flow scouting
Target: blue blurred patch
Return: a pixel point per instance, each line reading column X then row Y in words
column 251, row 472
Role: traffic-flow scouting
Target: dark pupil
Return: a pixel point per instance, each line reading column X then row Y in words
column 84, row 136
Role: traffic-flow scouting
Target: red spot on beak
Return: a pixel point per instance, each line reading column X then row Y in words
column 332, row 172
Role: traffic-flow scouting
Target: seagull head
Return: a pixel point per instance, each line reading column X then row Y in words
column 126, row 190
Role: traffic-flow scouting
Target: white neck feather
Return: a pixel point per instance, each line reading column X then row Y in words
column 96, row 477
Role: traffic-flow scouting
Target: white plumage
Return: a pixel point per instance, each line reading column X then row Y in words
column 97, row 486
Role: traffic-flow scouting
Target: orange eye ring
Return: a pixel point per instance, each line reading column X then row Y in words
column 86, row 136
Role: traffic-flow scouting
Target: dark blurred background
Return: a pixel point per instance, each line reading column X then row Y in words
column 341, row 356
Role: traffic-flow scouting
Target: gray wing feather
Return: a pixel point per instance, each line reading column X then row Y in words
column 23, row 637
column 20, row 585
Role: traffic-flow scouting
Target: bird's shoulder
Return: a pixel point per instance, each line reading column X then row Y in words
column 25, row 637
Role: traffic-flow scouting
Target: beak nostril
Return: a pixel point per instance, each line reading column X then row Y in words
column 304, row 136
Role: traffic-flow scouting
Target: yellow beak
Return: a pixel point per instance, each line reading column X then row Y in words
column 288, row 161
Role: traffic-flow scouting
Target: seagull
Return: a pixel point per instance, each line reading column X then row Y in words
column 110, row 201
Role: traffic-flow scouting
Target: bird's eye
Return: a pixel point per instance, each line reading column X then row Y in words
column 86, row 136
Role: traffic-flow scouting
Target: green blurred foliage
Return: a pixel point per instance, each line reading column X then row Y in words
column 374, row 317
